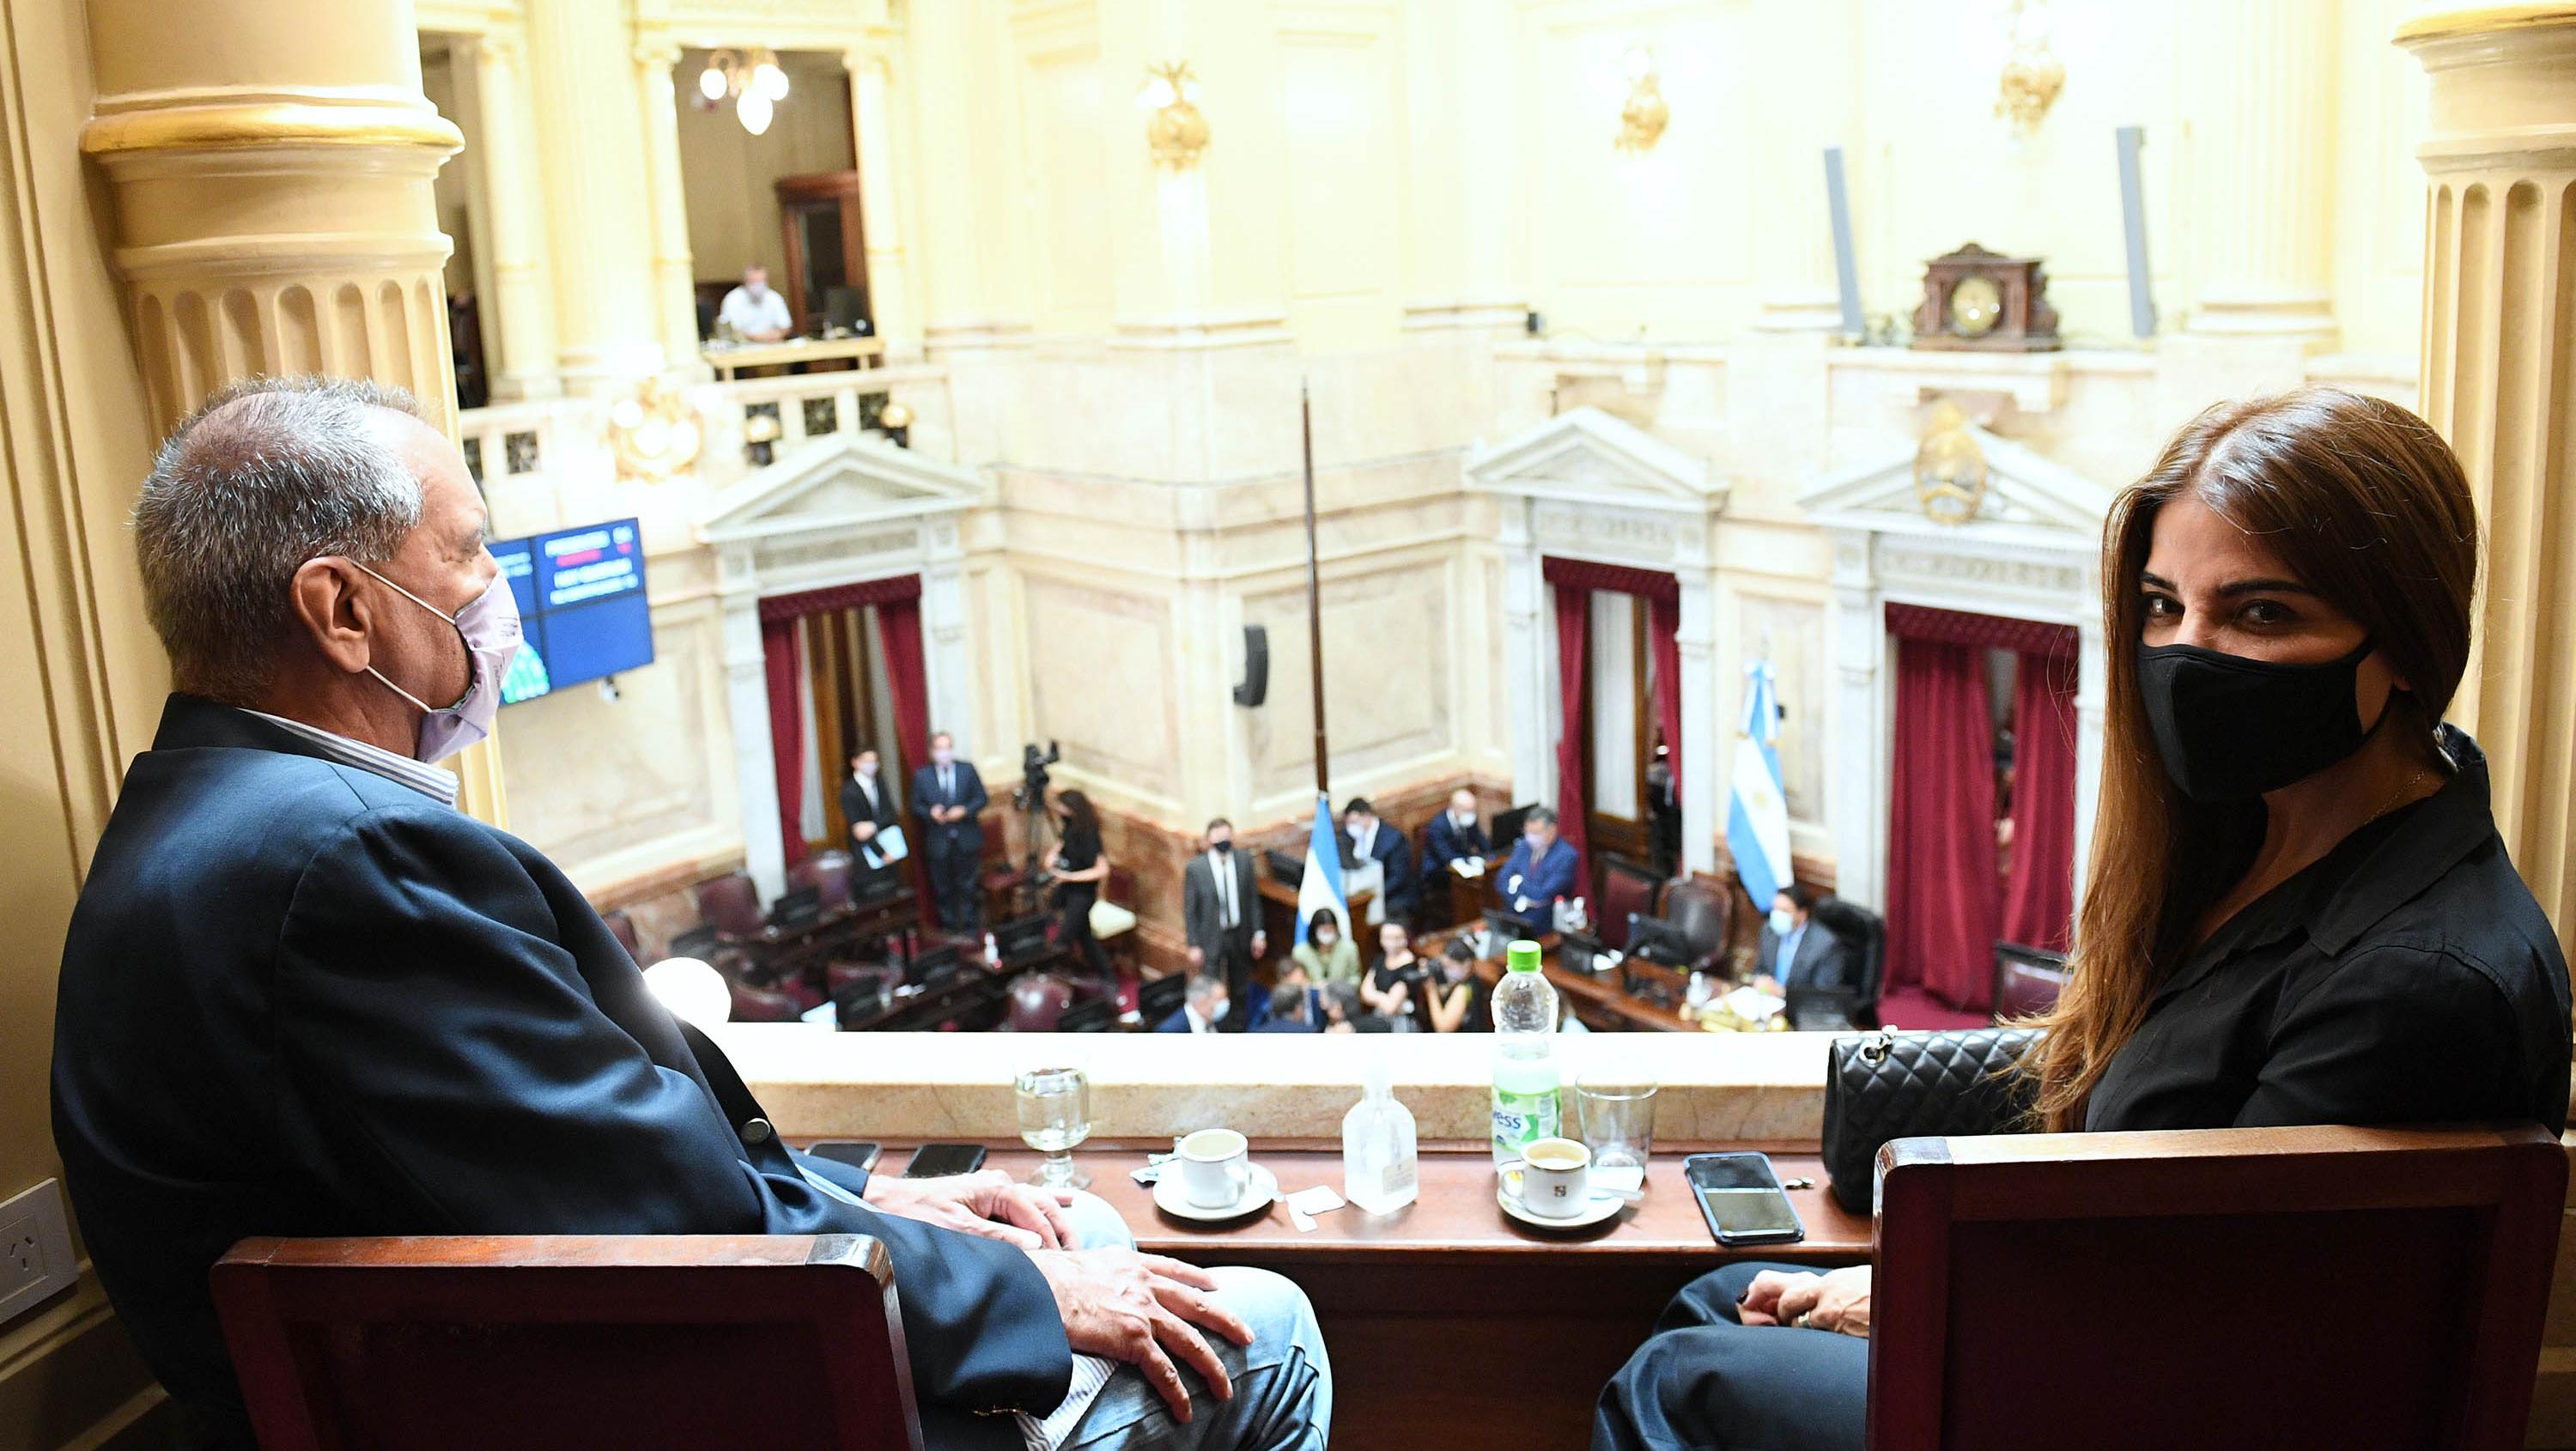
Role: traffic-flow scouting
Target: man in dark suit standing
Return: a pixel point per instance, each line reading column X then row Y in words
column 869, row 808
column 1455, row 835
column 303, row 995
column 947, row 797
column 1799, row 952
column 1221, row 915
column 1373, row 840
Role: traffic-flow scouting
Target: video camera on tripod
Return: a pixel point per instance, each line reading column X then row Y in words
column 1033, row 776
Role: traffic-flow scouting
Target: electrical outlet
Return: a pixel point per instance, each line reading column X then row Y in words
column 35, row 1249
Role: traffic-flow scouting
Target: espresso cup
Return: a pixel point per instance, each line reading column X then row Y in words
column 1556, row 1178
column 1214, row 1170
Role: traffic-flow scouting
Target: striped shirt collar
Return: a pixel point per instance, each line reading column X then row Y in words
column 428, row 780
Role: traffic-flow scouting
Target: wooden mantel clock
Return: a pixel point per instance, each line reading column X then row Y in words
column 1976, row 300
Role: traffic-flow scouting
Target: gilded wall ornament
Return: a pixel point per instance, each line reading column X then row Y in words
column 1949, row 469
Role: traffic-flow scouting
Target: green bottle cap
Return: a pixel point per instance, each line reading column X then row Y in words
column 1521, row 956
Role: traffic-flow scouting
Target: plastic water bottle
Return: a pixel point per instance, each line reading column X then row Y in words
column 1525, row 1070
column 992, row 951
column 1380, row 1168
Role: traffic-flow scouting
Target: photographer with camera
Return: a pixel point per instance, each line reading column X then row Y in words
column 948, row 796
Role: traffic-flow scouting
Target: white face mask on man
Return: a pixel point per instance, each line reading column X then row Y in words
column 489, row 628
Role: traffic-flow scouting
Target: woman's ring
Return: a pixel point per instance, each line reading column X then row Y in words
column 1799, row 1324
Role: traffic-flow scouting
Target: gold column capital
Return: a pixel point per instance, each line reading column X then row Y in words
column 216, row 121
column 2442, row 22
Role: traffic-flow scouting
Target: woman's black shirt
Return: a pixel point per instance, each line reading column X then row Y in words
column 2407, row 976
column 1079, row 850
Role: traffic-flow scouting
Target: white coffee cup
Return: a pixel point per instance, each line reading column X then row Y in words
column 1556, row 1178
column 1214, row 1170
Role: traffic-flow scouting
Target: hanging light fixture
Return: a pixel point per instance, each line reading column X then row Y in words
column 754, row 80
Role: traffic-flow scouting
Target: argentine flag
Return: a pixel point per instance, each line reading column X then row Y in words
column 1757, row 815
column 1319, row 887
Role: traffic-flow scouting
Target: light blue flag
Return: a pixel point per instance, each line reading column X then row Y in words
column 1319, row 888
column 1757, row 815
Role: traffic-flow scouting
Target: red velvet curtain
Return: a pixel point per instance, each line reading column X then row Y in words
column 899, row 633
column 1573, row 632
column 1663, row 637
column 785, row 667
column 1942, row 889
column 2039, row 899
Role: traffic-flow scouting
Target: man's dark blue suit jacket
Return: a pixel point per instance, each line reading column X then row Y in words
column 302, row 999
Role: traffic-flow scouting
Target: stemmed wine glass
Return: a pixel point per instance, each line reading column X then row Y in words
column 1055, row 1116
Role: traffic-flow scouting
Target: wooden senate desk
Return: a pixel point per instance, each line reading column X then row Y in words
column 730, row 358
column 1602, row 1004
column 1449, row 1324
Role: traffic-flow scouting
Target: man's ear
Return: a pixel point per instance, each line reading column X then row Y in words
column 332, row 612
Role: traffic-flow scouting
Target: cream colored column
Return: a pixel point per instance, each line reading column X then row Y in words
column 1804, row 110
column 608, row 329
column 521, row 324
column 872, row 123
column 2262, row 150
column 271, row 166
column 674, row 280
column 2499, row 381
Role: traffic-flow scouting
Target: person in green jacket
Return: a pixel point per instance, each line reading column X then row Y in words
column 1326, row 954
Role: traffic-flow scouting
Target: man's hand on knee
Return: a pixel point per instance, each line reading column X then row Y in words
column 1141, row 1309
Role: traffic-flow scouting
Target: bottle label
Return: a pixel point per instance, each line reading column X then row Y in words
column 1397, row 1178
column 1520, row 1118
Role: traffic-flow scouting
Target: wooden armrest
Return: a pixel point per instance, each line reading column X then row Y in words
column 563, row 1251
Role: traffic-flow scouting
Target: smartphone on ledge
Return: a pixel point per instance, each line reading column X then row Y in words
column 857, row 1153
column 1741, row 1198
column 938, row 1161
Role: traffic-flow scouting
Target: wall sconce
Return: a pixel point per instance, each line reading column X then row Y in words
column 1174, row 129
column 752, row 78
column 1643, row 118
column 2033, row 75
column 654, row 433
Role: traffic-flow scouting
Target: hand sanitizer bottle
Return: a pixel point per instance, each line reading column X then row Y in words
column 1379, row 1169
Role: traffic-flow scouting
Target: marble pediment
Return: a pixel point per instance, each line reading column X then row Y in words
column 2026, row 494
column 839, row 483
column 1586, row 456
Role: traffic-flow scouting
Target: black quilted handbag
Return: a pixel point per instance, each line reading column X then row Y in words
column 1882, row 1086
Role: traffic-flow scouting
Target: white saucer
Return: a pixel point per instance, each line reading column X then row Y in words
column 1603, row 1206
column 1261, row 1187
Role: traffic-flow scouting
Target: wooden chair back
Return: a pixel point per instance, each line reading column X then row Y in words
column 2344, row 1287
column 568, row 1340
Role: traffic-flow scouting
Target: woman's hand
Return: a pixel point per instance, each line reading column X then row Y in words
column 1837, row 1301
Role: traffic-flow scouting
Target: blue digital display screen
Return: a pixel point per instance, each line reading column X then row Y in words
column 581, row 606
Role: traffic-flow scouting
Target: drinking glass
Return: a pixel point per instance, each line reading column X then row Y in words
column 1616, row 1108
column 1055, row 1115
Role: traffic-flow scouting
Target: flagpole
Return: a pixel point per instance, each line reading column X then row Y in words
column 1314, row 593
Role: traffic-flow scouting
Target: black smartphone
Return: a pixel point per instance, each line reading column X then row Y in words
column 1742, row 1200
column 857, row 1153
column 938, row 1161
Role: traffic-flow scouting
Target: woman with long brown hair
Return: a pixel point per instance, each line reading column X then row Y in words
column 2297, row 908
column 1079, row 868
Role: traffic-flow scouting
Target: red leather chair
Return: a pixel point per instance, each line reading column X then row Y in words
column 2027, row 980
column 828, row 873
column 731, row 905
column 1038, row 1001
column 763, row 1004
column 511, row 1344
column 840, row 977
column 1627, row 889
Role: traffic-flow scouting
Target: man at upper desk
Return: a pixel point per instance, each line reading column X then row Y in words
column 1539, row 874
column 1374, row 840
column 1798, row 951
column 1453, row 836
column 756, row 314
column 303, row 995
column 948, row 799
column 868, row 806
column 1221, row 918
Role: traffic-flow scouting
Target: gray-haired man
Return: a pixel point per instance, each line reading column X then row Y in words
column 303, row 995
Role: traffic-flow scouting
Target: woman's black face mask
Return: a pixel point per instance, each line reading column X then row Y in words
column 2231, row 728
